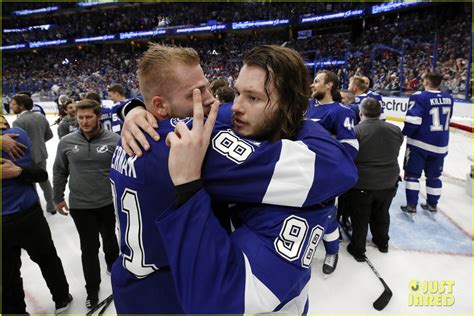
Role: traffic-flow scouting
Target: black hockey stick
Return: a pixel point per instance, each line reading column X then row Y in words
column 107, row 304
column 385, row 297
column 387, row 294
column 104, row 304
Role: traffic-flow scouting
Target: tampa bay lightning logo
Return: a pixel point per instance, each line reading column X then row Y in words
column 174, row 121
column 102, row 149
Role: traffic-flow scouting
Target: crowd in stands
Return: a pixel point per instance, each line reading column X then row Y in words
column 70, row 70
column 148, row 16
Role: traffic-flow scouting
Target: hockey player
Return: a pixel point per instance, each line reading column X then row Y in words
column 116, row 93
column 369, row 92
column 339, row 121
column 240, row 270
column 237, row 170
column 108, row 120
column 427, row 130
column 360, row 87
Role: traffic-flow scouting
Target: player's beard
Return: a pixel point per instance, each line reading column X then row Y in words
column 269, row 129
column 318, row 95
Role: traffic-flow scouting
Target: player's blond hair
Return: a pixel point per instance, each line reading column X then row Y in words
column 155, row 69
column 359, row 82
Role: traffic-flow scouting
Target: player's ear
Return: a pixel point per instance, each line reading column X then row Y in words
column 158, row 106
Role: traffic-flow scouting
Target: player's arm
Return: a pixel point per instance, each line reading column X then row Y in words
column 218, row 271
column 309, row 171
column 13, row 148
column 23, row 174
column 214, row 256
column 48, row 133
column 345, row 132
column 414, row 116
column 136, row 121
column 60, row 175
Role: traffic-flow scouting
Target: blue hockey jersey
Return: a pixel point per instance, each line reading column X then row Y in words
column 38, row 109
column 338, row 120
column 427, row 122
column 358, row 100
column 263, row 266
column 16, row 195
column 306, row 172
column 110, row 120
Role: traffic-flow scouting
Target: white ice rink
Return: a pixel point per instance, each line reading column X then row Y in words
column 424, row 250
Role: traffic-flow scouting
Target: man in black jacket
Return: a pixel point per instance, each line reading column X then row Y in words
column 377, row 164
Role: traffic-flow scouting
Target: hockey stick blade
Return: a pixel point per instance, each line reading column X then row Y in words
column 387, row 294
column 384, row 298
column 382, row 301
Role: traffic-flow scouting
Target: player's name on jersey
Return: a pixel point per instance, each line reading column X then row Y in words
column 440, row 101
column 123, row 164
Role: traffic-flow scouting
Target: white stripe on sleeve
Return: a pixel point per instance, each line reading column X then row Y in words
column 353, row 142
column 293, row 175
column 416, row 120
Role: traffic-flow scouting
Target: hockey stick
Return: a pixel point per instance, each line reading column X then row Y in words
column 387, row 294
column 107, row 304
column 385, row 297
column 104, row 304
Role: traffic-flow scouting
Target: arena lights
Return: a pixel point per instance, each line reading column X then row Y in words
column 17, row 46
column 28, row 12
column 95, row 38
column 325, row 62
column 151, row 33
column 46, row 43
column 392, row 6
column 256, row 24
column 333, row 16
column 29, row 28
column 90, row 4
column 208, row 28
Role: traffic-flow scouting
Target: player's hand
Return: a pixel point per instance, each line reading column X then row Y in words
column 13, row 148
column 188, row 147
column 9, row 169
column 137, row 121
column 62, row 208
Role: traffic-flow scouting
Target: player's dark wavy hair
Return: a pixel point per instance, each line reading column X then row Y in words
column 284, row 68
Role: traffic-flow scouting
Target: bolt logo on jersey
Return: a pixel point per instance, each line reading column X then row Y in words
column 174, row 121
